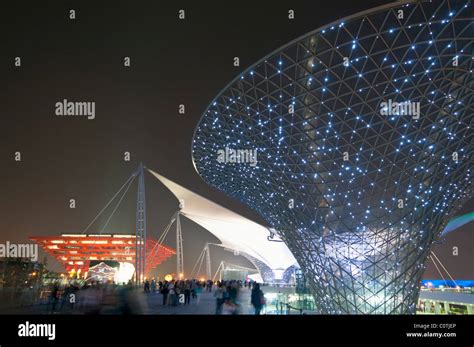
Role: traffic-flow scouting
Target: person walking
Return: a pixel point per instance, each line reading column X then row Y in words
column 198, row 291
column 165, row 291
column 187, row 293
column 219, row 295
column 53, row 297
column 146, row 286
column 172, row 294
column 234, row 292
column 229, row 308
column 257, row 299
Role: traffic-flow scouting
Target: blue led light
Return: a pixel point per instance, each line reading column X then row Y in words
column 332, row 214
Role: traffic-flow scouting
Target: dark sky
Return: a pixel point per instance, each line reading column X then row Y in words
column 173, row 62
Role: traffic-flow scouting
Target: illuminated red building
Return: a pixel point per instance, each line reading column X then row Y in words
column 76, row 251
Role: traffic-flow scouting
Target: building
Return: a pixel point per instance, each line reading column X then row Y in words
column 446, row 301
column 76, row 251
column 355, row 142
column 272, row 259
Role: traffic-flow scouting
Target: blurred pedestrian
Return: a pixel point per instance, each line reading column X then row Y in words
column 228, row 308
column 198, row 291
column 165, row 291
column 146, row 286
column 257, row 298
column 219, row 295
column 187, row 293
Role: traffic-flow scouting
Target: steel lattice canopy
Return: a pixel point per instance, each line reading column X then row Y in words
column 75, row 251
column 358, row 189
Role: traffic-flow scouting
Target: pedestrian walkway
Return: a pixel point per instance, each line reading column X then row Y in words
column 206, row 306
column 141, row 303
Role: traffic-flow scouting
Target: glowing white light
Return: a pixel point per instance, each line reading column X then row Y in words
column 124, row 273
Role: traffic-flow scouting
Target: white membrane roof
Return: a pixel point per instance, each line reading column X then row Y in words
column 233, row 230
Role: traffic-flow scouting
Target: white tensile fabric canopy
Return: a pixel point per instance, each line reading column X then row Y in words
column 234, row 231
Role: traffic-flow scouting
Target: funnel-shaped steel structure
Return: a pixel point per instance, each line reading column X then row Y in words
column 355, row 142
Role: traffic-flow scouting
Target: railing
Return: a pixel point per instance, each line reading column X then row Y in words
column 467, row 290
column 289, row 308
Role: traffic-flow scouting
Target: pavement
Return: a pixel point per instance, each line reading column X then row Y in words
column 206, row 305
column 148, row 304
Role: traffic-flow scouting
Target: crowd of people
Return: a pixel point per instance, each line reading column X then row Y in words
column 178, row 292
column 94, row 298
column 226, row 293
column 111, row 298
column 228, row 299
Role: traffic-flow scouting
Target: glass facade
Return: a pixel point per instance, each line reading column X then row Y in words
column 355, row 142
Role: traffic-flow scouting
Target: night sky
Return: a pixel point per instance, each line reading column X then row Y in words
column 172, row 62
